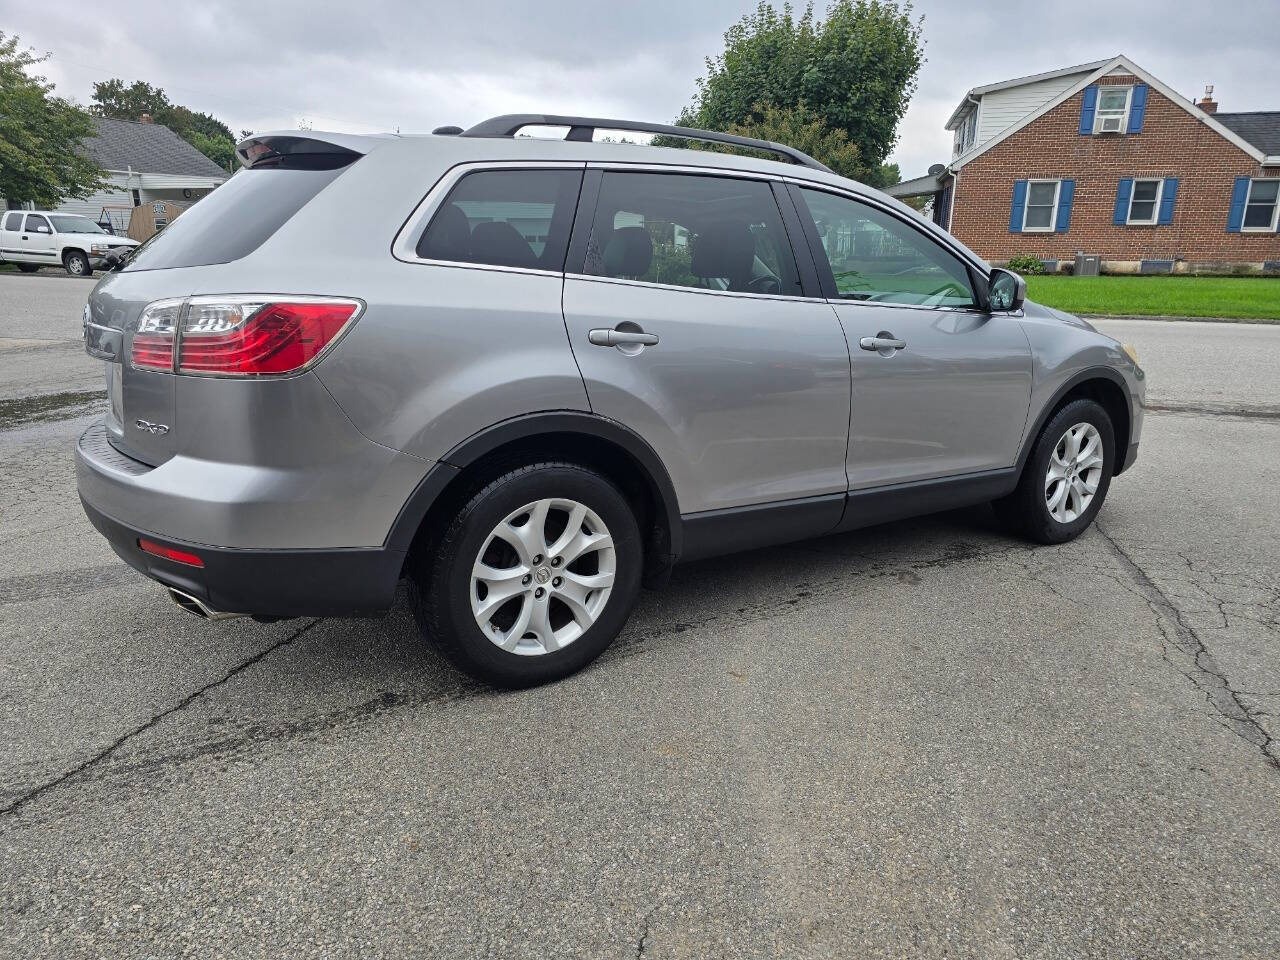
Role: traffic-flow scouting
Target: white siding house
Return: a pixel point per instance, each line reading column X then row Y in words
column 144, row 162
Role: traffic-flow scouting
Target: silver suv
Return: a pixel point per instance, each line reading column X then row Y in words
column 528, row 375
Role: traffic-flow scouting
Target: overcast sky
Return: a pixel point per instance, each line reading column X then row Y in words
column 387, row 64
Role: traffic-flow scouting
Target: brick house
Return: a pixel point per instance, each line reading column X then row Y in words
column 1103, row 158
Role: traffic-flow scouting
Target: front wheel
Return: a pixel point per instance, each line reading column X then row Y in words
column 1066, row 477
column 534, row 576
column 77, row 264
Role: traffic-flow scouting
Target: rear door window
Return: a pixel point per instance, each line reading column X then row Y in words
column 505, row 218
column 874, row 256
column 707, row 232
column 234, row 220
column 13, row 221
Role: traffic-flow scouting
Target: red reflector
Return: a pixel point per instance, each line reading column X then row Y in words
column 152, row 350
column 177, row 556
column 278, row 338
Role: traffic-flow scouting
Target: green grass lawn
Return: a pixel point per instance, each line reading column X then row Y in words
column 1236, row 298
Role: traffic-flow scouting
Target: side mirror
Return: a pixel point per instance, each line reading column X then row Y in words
column 1006, row 290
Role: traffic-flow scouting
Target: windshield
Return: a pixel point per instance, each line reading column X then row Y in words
column 65, row 224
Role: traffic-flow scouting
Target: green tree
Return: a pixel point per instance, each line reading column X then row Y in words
column 113, row 98
column 803, row 129
column 42, row 137
column 855, row 69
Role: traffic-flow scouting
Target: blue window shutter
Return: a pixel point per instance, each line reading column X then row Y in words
column 1137, row 108
column 1167, row 196
column 1238, row 195
column 1086, row 110
column 1066, row 193
column 1019, row 205
column 1124, row 190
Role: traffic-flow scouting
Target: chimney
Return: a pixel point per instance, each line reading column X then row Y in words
column 146, row 118
column 1207, row 103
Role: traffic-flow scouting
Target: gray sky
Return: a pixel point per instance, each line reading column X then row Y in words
column 383, row 64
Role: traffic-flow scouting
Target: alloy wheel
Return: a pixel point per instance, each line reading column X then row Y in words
column 1075, row 470
column 543, row 576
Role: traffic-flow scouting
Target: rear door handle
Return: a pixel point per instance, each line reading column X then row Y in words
column 612, row 338
column 883, row 342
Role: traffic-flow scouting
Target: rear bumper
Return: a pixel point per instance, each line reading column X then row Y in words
column 267, row 583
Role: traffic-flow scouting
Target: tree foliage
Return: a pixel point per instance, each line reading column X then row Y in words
column 41, row 136
column 855, row 70
column 805, row 130
column 113, row 98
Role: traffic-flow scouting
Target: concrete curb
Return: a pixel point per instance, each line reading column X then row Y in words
column 1176, row 319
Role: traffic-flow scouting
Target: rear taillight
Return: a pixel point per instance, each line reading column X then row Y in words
column 245, row 336
column 153, row 343
column 169, row 553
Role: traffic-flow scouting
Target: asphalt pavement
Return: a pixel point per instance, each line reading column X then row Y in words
column 926, row 739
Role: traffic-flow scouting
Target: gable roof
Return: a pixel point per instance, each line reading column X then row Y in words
column 146, row 148
column 1260, row 127
column 1106, row 67
column 1018, row 82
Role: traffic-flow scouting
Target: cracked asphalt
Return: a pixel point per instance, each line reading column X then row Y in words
column 922, row 740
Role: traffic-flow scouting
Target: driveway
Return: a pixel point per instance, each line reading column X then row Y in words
column 926, row 739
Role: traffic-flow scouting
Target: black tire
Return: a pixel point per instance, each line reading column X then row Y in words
column 440, row 587
column 77, row 264
column 28, row 267
column 1025, row 511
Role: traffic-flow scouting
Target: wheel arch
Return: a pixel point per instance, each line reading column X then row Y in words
column 1102, row 384
column 584, row 438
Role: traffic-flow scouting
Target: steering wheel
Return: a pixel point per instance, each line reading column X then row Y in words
column 764, row 284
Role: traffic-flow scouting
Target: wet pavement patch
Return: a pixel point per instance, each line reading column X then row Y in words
column 49, row 406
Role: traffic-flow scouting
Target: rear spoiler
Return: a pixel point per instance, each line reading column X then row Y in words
column 305, row 149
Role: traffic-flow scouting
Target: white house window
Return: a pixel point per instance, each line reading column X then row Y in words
column 1144, row 204
column 1042, row 205
column 1261, row 207
column 1113, row 109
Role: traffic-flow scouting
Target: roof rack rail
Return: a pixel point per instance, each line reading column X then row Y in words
column 584, row 128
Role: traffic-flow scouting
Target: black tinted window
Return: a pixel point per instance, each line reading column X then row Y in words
column 13, row 221
column 234, row 220
column 505, row 218
column 711, row 233
column 875, row 256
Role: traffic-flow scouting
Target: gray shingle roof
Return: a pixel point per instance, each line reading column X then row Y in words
column 1261, row 128
column 147, row 148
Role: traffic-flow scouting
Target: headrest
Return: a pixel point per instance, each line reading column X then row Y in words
column 498, row 242
column 628, row 253
column 449, row 237
column 725, row 250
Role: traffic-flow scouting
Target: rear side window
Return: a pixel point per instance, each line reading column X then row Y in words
column 709, row 233
column 13, row 221
column 233, row 220
column 505, row 218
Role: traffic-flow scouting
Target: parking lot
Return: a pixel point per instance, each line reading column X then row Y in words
column 919, row 740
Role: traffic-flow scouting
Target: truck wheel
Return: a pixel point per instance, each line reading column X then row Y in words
column 77, row 264
column 534, row 576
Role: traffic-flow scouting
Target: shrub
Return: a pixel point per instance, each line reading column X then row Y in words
column 1026, row 264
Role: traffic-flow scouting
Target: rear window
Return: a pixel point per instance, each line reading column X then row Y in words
column 13, row 221
column 234, row 220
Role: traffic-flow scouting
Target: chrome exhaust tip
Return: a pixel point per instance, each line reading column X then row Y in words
column 197, row 607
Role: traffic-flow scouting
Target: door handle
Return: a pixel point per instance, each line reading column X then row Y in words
column 615, row 338
column 882, row 342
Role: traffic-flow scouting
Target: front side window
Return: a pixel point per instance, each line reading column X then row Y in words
column 1145, row 201
column 1261, row 206
column 705, row 232
column 37, row 224
column 13, row 221
column 876, row 257
column 1042, row 205
column 1113, row 110
column 505, row 218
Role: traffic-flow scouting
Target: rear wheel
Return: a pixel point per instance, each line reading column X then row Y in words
column 1067, row 475
column 77, row 264
column 28, row 267
column 534, row 576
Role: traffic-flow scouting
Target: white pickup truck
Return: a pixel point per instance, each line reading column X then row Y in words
column 35, row 239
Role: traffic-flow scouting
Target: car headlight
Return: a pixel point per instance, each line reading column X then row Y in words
column 98, row 248
column 1132, row 351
